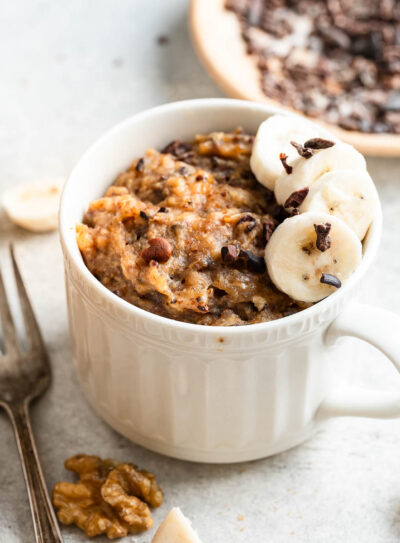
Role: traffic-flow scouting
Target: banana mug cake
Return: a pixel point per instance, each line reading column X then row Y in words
column 229, row 229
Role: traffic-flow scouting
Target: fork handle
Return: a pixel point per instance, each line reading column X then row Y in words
column 43, row 516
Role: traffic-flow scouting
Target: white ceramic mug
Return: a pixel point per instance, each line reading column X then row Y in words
column 209, row 394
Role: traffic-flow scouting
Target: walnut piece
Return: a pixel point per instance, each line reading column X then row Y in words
column 160, row 250
column 109, row 498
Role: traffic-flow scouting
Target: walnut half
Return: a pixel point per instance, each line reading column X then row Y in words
column 109, row 498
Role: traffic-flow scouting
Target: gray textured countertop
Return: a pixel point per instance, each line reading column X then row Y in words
column 69, row 71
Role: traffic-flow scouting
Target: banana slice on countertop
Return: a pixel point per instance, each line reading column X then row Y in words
column 304, row 172
column 175, row 528
column 310, row 255
column 349, row 195
column 273, row 138
column 34, row 206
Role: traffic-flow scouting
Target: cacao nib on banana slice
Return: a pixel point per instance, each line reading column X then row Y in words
column 303, row 151
column 323, row 240
column 297, row 198
column 332, row 280
column 283, row 159
column 318, row 143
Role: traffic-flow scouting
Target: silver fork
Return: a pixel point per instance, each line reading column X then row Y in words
column 25, row 375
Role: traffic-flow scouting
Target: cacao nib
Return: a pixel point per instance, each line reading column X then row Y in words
column 323, row 242
column 303, row 151
column 140, row 165
column 283, row 159
column 229, row 253
column 297, row 198
column 176, row 148
column 318, row 143
column 351, row 47
column 330, row 279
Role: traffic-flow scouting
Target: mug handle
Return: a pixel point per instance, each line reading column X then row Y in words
column 381, row 329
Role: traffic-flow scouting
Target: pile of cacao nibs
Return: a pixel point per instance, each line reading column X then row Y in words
column 338, row 60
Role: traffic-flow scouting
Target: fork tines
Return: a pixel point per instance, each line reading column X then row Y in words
column 35, row 341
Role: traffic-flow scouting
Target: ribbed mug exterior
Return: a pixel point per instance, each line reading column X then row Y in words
column 204, row 398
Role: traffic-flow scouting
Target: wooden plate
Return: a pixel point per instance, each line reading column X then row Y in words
column 216, row 36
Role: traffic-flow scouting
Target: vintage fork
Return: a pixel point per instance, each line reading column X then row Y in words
column 24, row 375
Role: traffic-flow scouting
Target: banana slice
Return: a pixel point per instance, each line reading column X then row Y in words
column 175, row 528
column 273, row 138
column 308, row 267
column 349, row 195
column 306, row 171
column 34, row 206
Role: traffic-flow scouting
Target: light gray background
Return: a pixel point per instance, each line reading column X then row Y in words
column 68, row 72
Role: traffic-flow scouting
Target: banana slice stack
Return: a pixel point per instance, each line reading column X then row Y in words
column 325, row 186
